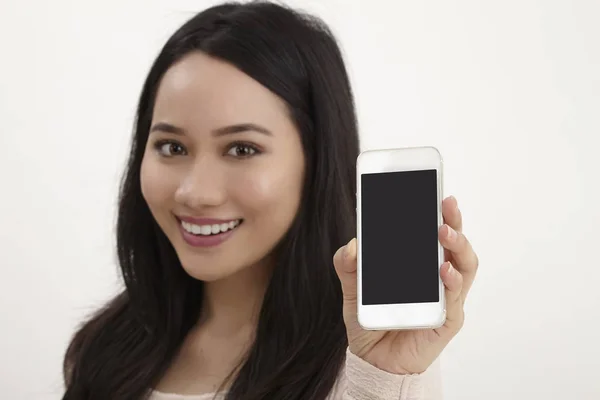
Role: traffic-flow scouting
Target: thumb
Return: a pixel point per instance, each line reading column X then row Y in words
column 344, row 262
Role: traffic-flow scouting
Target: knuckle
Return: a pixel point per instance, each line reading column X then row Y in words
column 475, row 261
column 464, row 242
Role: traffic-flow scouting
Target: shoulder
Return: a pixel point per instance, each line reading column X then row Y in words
column 361, row 380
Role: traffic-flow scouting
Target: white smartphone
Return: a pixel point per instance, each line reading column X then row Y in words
column 399, row 213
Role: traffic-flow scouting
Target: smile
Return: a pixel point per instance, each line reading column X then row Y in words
column 207, row 232
column 210, row 229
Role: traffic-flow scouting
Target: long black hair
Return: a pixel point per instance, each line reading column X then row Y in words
column 125, row 348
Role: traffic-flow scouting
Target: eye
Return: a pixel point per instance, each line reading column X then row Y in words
column 242, row 150
column 169, row 148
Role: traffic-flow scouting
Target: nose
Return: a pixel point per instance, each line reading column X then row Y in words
column 201, row 186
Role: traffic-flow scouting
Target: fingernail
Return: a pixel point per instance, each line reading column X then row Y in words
column 451, row 269
column 451, row 233
column 455, row 202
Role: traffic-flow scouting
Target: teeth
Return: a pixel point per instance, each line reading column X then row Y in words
column 209, row 229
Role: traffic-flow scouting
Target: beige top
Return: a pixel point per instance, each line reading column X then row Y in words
column 362, row 381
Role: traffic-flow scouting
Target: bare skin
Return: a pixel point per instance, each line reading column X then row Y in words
column 199, row 163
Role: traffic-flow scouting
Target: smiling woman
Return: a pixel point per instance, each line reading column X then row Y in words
column 239, row 189
column 222, row 150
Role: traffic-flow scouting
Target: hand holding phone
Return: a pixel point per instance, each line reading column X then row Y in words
column 406, row 278
column 399, row 212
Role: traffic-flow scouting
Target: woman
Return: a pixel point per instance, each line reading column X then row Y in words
column 240, row 188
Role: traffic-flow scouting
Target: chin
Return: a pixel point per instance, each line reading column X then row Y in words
column 210, row 274
column 210, row 267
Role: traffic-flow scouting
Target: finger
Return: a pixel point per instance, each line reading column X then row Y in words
column 453, row 281
column 344, row 262
column 462, row 254
column 451, row 213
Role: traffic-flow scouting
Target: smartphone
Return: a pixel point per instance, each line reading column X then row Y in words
column 399, row 213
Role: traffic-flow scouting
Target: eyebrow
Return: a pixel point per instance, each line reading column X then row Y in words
column 226, row 130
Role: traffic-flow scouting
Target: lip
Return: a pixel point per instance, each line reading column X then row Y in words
column 205, row 241
column 206, row 221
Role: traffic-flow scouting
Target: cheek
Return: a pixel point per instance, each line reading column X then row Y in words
column 270, row 193
column 158, row 186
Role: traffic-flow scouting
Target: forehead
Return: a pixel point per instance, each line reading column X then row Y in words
column 200, row 89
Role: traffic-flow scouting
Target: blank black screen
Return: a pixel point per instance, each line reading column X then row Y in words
column 399, row 237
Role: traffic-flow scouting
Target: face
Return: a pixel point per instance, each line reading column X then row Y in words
column 223, row 168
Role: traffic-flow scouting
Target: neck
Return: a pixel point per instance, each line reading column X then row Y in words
column 232, row 305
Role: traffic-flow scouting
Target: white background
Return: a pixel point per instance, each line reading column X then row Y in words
column 509, row 91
